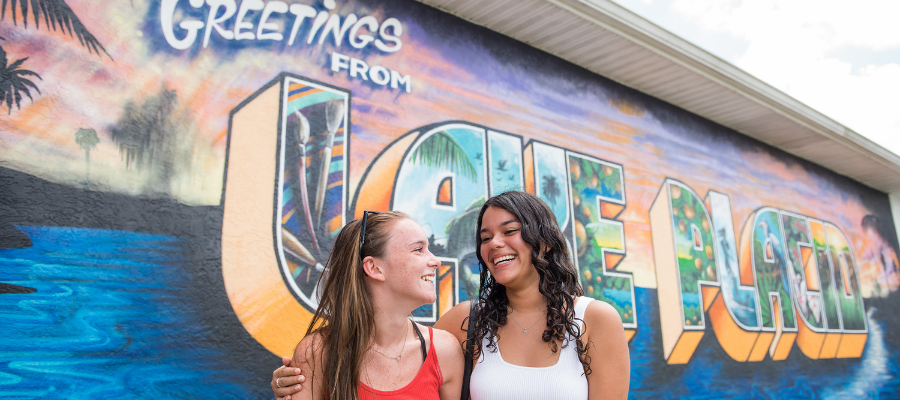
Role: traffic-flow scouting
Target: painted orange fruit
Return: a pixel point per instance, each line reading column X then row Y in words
column 688, row 212
column 576, row 199
column 607, row 170
column 710, row 273
column 675, row 190
column 575, row 170
column 709, row 253
column 587, row 212
column 592, row 183
column 587, row 274
column 705, row 223
column 698, row 263
column 581, row 239
column 681, row 226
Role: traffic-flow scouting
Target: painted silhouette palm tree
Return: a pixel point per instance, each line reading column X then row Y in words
column 550, row 188
column 13, row 81
column 87, row 139
column 442, row 150
column 55, row 13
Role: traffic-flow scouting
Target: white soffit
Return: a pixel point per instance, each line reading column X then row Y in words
column 605, row 38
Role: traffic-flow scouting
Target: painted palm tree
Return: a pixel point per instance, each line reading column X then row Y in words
column 442, row 150
column 550, row 188
column 55, row 13
column 87, row 139
column 14, row 82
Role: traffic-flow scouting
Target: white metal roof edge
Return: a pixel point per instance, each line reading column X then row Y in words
column 618, row 19
column 608, row 16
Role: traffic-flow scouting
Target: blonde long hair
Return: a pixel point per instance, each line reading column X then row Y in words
column 345, row 319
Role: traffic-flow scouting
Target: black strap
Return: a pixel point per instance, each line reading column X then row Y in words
column 421, row 341
column 470, row 352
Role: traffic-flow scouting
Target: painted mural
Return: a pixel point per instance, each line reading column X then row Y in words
column 173, row 174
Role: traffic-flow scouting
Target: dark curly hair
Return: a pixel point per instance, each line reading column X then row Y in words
column 558, row 276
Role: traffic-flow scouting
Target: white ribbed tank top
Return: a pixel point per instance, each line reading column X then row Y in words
column 495, row 379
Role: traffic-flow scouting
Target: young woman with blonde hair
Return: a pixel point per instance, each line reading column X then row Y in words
column 360, row 343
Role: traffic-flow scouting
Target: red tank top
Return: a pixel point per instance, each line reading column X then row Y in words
column 425, row 385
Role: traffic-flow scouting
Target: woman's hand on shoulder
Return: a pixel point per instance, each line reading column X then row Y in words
column 453, row 321
column 286, row 380
column 451, row 362
column 607, row 348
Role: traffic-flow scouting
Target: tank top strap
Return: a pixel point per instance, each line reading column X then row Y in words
column 422, row 340
column 581, row 304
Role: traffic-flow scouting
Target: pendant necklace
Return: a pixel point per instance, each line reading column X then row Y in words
column 399, row 357
column 524, row 330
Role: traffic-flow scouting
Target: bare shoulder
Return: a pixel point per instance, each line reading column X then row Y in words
column 308, row 357
column 607, row 349
column 307, row 349
column 599, row 315
column 449, row 354
column 452, row 321
column 446, row 342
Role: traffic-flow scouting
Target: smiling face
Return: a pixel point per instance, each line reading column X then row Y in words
column 409, row 267
column 506, row 255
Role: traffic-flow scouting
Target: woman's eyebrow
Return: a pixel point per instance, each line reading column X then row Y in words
column 417, row 243
column 512, row 221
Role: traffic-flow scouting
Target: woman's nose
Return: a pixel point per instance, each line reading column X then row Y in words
column 434, row 262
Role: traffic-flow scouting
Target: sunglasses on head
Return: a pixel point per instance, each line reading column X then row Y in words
column 362, row 234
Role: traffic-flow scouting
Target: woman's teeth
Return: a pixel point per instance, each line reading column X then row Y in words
column 504, row 259
column 428, row 278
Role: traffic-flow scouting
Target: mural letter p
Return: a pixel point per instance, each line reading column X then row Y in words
column 686, row 273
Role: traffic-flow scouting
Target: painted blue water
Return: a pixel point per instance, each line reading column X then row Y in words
column 622, row 298
column 712, row 374
column 112, row 317
column 690, row 299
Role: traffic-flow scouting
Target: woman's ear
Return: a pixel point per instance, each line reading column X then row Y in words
column 373, row 268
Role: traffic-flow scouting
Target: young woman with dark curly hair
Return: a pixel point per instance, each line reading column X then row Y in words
column 535, row 335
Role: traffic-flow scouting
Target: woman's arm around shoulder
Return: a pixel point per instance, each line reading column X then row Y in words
column 450, row 360
column 308, row 357
column 604, row 338
column 452, row 321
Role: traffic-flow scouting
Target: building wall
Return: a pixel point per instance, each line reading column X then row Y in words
column 173, row 175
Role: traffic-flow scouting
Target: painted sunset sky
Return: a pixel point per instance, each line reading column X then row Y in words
column 469, row 74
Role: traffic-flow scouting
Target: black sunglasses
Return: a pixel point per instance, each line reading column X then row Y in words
column 362, row 234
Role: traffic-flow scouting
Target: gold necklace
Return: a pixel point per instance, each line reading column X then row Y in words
column 399, row 357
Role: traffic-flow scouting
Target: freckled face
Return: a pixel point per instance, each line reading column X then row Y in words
column 410, row 269
column 506, row 254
